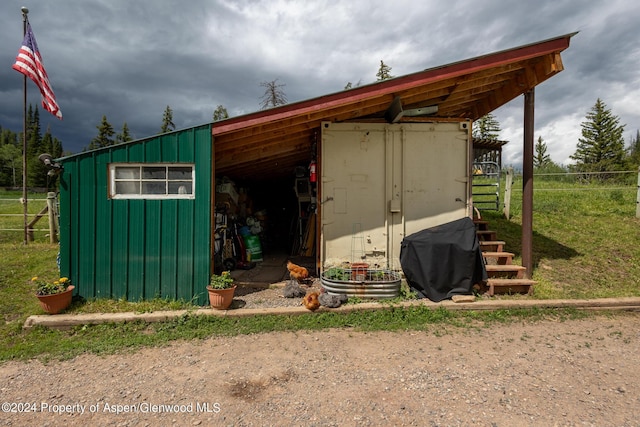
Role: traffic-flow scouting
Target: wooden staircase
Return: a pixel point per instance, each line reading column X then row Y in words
column 503, row 276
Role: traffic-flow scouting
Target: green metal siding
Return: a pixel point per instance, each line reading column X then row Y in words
column 137, row 249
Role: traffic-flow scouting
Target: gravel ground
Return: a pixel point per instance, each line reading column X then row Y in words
column 272, row 297
column 571, row 373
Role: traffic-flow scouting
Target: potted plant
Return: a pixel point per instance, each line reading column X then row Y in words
column 221, row 290
column 54, row 296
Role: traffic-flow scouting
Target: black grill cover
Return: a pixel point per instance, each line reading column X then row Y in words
column 443, row 261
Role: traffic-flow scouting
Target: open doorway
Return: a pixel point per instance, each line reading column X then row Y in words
column 261, row 224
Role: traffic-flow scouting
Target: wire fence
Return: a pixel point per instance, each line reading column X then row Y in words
column 576, row 182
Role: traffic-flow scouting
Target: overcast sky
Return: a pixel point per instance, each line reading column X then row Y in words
column 128, row 59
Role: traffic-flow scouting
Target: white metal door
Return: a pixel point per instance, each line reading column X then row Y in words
column 381, row 182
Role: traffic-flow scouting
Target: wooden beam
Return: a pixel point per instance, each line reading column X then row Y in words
column 527, row 183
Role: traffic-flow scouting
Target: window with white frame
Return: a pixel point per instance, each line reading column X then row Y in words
column 151, row 181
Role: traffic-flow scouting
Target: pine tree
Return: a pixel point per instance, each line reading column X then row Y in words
column 220, row 113
column 34, row 136
column 36, row 173
column 384, row 72
column 37, row 144
column 105, row 134
column 486, row 127
column 124, row 135
column 541, row 158
column 634, row 151
column 350, row 85
column 273, row 95
column 601, row 148
column 167, row 121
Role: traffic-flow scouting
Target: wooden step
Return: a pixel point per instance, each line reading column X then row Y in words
column 510, row 286
column 492, row 246
column 498, row 258
column 506, row 271
column 487, row 235
column 481, row 224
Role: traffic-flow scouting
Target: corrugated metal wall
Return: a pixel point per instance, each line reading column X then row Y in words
column 137, row 249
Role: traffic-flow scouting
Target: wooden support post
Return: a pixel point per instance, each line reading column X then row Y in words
column 527, row 183
column 53, row 216
column 507, row 193
column 33, row 222
column 638, row 197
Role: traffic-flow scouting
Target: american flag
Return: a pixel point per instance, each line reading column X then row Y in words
column 29, row 63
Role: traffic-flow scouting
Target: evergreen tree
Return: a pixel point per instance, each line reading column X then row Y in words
column 105, row 134
column 350, row 85
column 124, row 135
column 37, row 144
column 273, row 95
column 541, row 158
column 38, row 172
column 167, row 121
column 384, row 72
column 634, row 151
column 486, row 127
column 601, row 147
column 35, row 147
column 220, row 113
column 34, row 136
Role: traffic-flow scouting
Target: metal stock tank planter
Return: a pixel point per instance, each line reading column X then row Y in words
column 368, row 284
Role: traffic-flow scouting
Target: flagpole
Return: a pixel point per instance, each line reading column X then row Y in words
column 25, row 11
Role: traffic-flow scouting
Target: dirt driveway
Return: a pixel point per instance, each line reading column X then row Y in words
column 583, row 372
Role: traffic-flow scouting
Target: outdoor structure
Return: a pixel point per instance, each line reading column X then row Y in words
column 377, row 162
column 488, row 150
column 134, row 218
column 487, row 173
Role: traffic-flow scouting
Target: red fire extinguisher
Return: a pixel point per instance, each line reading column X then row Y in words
column 312, row 171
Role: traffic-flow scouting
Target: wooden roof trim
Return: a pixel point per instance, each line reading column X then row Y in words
column 466, row 67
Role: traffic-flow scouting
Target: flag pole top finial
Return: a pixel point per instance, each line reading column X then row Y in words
column 24, row 10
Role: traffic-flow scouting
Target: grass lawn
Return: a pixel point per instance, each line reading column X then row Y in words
column 585, row 246
column 585, row 242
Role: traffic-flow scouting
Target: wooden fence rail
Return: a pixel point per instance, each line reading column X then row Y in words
column 50, row 210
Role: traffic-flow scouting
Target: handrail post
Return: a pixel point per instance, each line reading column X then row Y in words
column 638, row 196
column 51, row 207
column 507, row 192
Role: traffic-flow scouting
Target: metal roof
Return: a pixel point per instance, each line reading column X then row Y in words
column 271, row 143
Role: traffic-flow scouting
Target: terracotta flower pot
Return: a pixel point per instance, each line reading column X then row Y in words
column 221, row 299
column 359, row 271
column 54, row 304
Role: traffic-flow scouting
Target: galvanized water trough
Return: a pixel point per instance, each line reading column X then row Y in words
column 356, row 282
